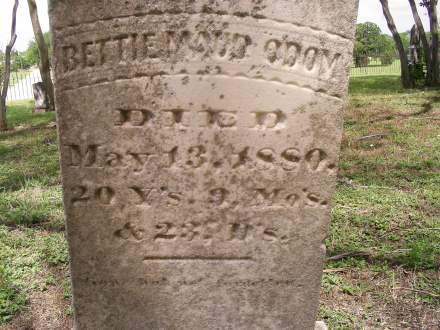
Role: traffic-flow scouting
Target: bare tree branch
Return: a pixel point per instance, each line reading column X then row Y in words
column 44, row 63
column 7, row 72
column 406, row 77
column 433, row 18
column 425, row 43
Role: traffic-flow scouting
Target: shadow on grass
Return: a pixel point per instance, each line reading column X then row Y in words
column 426, row 108
column 387, row 202
column 421, row 254
column 29, row 156
column 17, row 132
column 30, row 192
column 375, row 85
column 20, row 114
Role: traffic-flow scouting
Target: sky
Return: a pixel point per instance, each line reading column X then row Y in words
column 369, row 11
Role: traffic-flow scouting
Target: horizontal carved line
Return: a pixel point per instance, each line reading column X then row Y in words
column 238, row 16
column 237, row 76
column 196, row 258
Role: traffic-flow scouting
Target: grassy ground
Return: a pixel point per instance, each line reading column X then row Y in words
column 386, row 213
column 388, row 207
column 33, row 254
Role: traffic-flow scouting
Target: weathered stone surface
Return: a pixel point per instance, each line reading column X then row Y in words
column 40, row 97
column 199, row 146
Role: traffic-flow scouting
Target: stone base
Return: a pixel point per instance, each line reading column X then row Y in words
column 320, row 325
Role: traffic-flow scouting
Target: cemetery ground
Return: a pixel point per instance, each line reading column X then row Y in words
column 384, row 244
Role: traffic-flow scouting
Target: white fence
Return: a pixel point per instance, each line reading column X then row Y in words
column 20, row 85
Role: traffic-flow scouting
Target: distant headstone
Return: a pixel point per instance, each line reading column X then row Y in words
column 40, row 97
column 200, row 143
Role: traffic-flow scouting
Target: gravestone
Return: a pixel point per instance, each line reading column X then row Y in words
column 40, row 97
column 199, row 143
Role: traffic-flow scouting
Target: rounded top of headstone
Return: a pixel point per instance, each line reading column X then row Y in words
column 333, row 16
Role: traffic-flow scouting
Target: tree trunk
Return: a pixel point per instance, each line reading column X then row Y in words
column 44, row 63
column 7, row 71
column 425, row 43
column 433, row 18
column 406, row 77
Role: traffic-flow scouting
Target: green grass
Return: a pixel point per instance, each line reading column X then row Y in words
column 21, row 116
column 387, row 203
column 337, row 320
column 28, row 152
column 390, row 182
column 11, row 298
column 29, row 169
column 366, row 88
column 27, row 256
column 31, row 214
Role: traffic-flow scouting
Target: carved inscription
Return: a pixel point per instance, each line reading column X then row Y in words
column 95, row 156
column 212, row 119
column 203, row 43
column 239, row 231
column 148, row 196
column 167, row 45
column 82, row 157
column 133, row 117
column 212, row 47
column 99, row 195
column 291, row 54
column 282, row 198
column 221, row 119
column 130, row 232
column 199, row 145
column 269, row 120
column 260, row 198
column 142, row 282
column 200, row 156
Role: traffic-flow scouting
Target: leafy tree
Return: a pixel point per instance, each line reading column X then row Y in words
column 18, row 61
column 371, row 42
column 369, row 39
column 31, row 55
column 387, row 49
